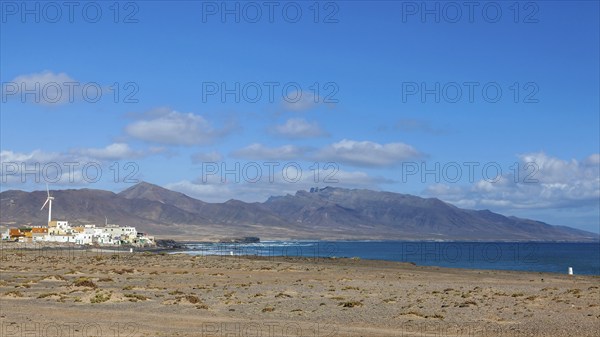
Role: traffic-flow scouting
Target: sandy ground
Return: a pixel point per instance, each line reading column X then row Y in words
column 78, row 293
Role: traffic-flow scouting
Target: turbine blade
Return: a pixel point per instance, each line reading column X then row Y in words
column 44, row 204
column 47, row 190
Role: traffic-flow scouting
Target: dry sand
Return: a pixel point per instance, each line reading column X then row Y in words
column 78, row 293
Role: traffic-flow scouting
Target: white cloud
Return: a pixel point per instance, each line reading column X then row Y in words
column 174, row 128
column 541, row 182
column 364, row 153
column 75, row 167
column 38, row 167
column 114, row 151
column 218, row 188
column 592, row 160
column 258, row 151
column 36, row 156
column 46, row 88
column 298, row 128
column 367, row 153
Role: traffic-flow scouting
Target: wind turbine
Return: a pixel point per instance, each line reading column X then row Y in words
column 49, row 202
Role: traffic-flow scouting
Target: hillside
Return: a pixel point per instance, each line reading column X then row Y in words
column 329, row 213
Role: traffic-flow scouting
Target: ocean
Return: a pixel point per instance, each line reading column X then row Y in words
column 552, row 257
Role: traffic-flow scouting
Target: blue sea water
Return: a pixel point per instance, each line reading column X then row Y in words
column 584, row 258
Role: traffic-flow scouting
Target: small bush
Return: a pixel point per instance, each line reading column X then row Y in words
column 136, row 297
column 99, row 298
column 14, row 293
column 192, row 299
column 84, row 282
column 44, row 295
column 350, row 304
column 467, row 304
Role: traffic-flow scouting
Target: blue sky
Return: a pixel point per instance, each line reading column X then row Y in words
column 367, row 94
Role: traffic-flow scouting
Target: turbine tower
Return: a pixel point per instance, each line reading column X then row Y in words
column 49, row 202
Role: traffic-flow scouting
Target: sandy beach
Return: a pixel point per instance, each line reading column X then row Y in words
column 82, row 293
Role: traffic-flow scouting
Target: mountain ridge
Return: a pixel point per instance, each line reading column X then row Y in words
column 331, row 213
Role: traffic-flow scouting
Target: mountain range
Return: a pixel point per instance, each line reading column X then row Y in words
column 330, row 213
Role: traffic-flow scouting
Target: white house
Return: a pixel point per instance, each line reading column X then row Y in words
column 97, row 235
column 39, row 236
column 104, row 239
column 125, row 233
column 59, row 228
column 60, row 238
column 92, row 230
column 84, row 239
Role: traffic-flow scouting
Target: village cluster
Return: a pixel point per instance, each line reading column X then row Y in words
column 62, row 232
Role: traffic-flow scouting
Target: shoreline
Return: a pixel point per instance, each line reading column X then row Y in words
column 262, row 240
column 127, row 255
column 519, row 258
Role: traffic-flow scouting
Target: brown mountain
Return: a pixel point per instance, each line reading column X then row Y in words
column 329, row 213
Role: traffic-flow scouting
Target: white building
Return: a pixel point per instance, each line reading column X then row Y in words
column 99, row 235
column 84, row 239
column 60, row 238
column 92, row 230
column 125, row 233
column 39, row 237
column 105, row 239
column 59, row 228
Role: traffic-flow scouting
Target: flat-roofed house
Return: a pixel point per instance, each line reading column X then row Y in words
column 57, row 227
column 84, row 238
column 39, row 233
column 16, row 234
column 125, row 234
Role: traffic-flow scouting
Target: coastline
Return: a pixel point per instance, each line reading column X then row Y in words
column 190, row 238
column 547, row 257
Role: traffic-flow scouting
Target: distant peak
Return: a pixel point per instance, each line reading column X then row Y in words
column 146, row 190
column 143, row 185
